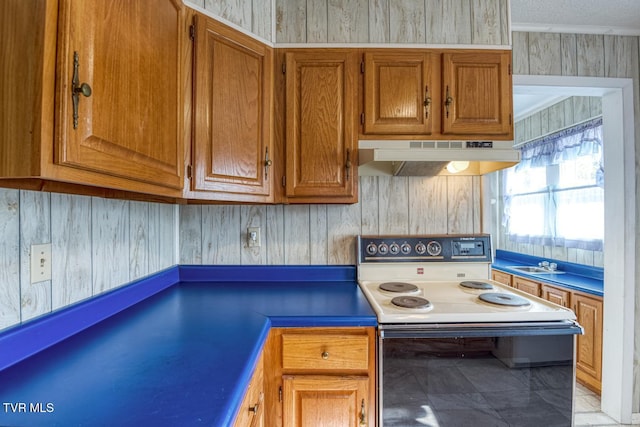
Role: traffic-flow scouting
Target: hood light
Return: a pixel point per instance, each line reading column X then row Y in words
column 458, row 166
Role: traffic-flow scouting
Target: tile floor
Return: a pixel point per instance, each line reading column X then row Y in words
column 588, row 410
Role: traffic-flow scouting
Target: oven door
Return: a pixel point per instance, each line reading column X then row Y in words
column 515, row 374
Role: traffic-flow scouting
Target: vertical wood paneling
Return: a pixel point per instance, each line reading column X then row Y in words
column 348, row 21
column 191, row 234
column 379, row 22
column 427, row 205
column 71, row 273
column 291, row 18
column 407, row 21
column 448, row 22
column 317, row 22
column 139, row 239
column 460, row 204
column 110, row 220
column 262, row 18
column 277, row 222
column 252, row 216
column 486, row 24
column 393, row 205
column 35, row 229
column 221, row 234
column 590, row 48
column 369, row 191
column 237, row 11
column 161, row 236
column 569, row 54
column 520, row 53
column 544, row 54
column 9, row 257
column 296, row 235
column 318, row 235
column 343, row 225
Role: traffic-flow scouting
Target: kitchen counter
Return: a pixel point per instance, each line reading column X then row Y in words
column 576, row 276
column 177, row 348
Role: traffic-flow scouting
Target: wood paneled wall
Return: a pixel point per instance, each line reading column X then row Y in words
column 255, row 16
column 482, row 22
column 325, row 234
column 96, row 244
column 570, row 111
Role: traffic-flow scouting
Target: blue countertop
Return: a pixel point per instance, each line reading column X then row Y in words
column 177, row 348
column 576, row 276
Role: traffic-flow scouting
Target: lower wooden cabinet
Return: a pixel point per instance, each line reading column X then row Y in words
column 589, row 312
column 320, row 377
column 500, row 277
column 528, row 286
column 251, row 413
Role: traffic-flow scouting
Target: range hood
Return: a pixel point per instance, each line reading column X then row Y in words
column 430, row 158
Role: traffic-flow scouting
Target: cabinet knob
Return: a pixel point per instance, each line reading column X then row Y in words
column 77, row 89
column 325, row 355
column 448, row 101
column 254, row 408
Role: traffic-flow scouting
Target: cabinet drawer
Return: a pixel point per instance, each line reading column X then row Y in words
column 319, row 352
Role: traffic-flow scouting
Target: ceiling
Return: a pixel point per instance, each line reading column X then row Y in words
column 613, row 17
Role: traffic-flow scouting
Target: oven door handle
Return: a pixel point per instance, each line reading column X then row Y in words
column 457, row 330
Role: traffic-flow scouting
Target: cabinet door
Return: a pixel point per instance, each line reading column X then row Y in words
column 129, row 54
column 527, row 286
column 555, row 295
column 501, row 277
column 589, row 355
column 251, row 412
column 398, row 93
column 477, row 94
column 312, row 401
column 320, row 131
column 232, row 145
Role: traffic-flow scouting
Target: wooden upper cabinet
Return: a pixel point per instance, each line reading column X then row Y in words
column 477, row 93
column 437, row 94
column 398, row 92
column 321, row 152
column 232, row 153
column 129, row 123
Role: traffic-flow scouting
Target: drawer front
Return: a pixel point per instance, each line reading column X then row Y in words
column 320, row 352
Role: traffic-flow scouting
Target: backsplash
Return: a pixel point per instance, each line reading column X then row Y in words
column 325, row 234
column 97, row 244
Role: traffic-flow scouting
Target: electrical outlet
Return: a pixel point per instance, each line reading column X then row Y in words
column 40, row 262
column 253, row 237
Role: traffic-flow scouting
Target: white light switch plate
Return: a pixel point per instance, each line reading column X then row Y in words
column 40, row 262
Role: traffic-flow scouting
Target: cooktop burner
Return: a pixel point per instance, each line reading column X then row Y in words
column 476, row 285
column 411, row 302
column 398, row 287
column 504, row 299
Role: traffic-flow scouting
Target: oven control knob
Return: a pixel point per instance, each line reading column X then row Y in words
column 383, row 249
column 421, row 248
column 394, row 249
column 371, row 249
column 434, row 248
column 405, row 248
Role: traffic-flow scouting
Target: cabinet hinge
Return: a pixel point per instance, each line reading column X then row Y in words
column 284, row 180
column 284, row 68
column 509, row 69
column 361, row 118
column 280, row 394
column 192, row 29
column 510, row 119
column 189, row 172
column 362, row 67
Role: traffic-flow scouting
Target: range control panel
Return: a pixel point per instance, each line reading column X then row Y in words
column 437, row 248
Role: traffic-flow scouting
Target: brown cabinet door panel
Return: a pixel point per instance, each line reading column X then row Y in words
column 129, row 53
column 233, row 107
column 589, row 355
column 321, row 142
column 399, row 93
column 476, row 93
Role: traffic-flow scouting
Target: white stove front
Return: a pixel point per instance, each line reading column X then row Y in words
column 452, row 303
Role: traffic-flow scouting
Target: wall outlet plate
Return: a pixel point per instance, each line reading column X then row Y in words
column 253, row 237
column 40, row 262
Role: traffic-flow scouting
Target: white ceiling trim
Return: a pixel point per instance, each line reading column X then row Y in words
column 574, row 29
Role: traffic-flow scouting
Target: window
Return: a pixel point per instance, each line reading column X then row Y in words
column 555, row 196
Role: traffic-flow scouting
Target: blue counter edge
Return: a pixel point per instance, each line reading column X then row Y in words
column 577, row 277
